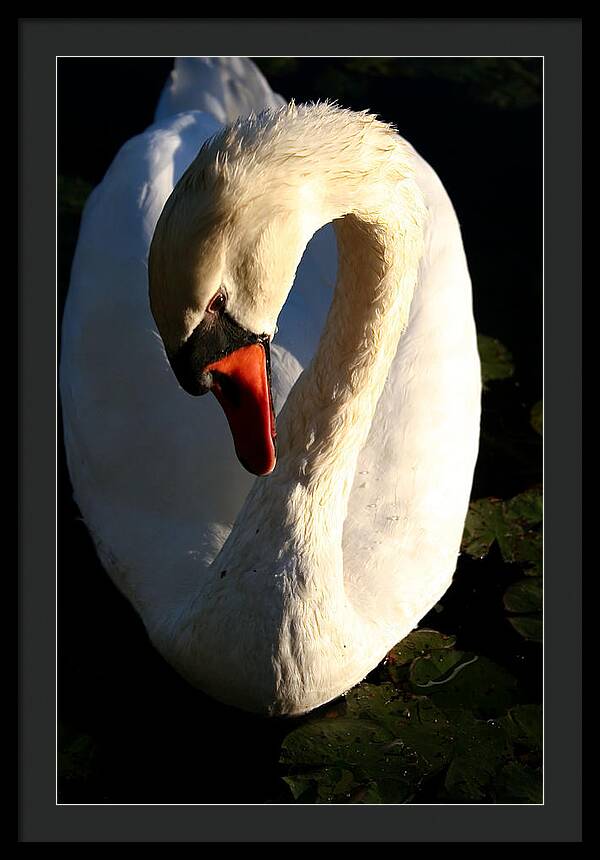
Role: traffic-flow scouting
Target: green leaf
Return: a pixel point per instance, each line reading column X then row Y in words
column 381, row 751
column 342, row 755
column 438, row 667
column 485, row 519
column 537, row 417
column 390, row 741
column 514, row 524
column 465, row 682
column 422, row 728
column 496, row 360
column 524, row 596
column 370, row 794
column 527, row 508
column 479, row 752
column 519, row 784
column 523, row 725
column 529, row 626
column 301, row 785
column 416, row 644
column 523, row 547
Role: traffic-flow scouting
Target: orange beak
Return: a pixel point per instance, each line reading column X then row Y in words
column 241, row 383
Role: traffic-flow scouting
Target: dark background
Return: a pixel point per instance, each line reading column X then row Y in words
column 129, row 729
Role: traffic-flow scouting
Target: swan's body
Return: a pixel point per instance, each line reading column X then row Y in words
column 340, row 552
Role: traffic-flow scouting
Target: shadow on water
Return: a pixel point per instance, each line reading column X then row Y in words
column 130, row 730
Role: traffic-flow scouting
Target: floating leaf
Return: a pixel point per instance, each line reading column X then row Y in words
column 438, row 667
column 485, row 519
column 517, row 783
column 380, row 752
column 334, row 748
column 514, row 524
column 333, row 741
column 523, row 547
column 523, row 725
column 537, row 417
column 479, row 751
column 302, row 785
column 524, row 596
column 419, row 643
column 416, row 644
column 370, row 794
column 527, row 508
column 529, row 626
column 392, row 738
column 389, row 742
column 496, row 360
column 422, row 729
column 466, row 682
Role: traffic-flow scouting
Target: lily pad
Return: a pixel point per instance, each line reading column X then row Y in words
column 464, row 681
column 523, row 725
column 485, row 520
column 438, row 667
column 424, row 732
column 380, row 752
column 390, row 740
column 496, row 360
column 479, row 752
column 416, row 644
column 529, row 626
column 524, row 596
column 518, row 783
column 513, row 524
column 527, row 508
column 451, row 714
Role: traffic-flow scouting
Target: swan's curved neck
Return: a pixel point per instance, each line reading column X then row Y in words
column 329, row 412
column 378, row 212
column 279, row 576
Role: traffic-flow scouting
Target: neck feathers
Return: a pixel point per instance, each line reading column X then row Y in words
column 316, row 156
column 354, row 170
column 284, row 174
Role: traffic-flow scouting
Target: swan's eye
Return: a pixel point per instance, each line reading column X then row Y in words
column 217, row 303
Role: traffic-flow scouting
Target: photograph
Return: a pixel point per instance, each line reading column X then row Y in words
column 300, row 459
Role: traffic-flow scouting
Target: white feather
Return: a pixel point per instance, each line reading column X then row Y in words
column 338, row 555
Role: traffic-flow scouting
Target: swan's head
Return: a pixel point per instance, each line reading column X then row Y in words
column 222, row 262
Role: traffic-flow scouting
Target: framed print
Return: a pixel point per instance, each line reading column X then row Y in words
column 328, row 585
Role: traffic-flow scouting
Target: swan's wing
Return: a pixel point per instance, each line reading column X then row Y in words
column 147, row 461
column 223, row 87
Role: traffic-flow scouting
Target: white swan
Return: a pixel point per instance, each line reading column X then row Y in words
column 353, row 537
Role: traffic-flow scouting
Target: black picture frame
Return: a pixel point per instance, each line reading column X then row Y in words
column 41, row 40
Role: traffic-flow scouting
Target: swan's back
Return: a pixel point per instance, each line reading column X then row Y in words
column 222, row 87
